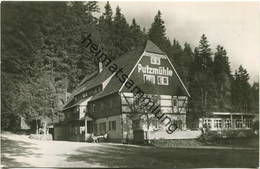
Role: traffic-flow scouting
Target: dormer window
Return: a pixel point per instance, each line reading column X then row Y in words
column 155, row 61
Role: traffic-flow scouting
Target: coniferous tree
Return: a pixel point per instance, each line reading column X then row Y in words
column 241, row 91
column 222, row 74
column 38, row 41
column 107, row 15
column 122, row 34
column 187, row 59
column 202, row 82
column 157, row 32
column 254, row 104
column 136, row 33
column 41, row 49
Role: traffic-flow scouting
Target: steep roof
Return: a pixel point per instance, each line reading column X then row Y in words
column 126, row 62
column 151, row 47
column 88, row 77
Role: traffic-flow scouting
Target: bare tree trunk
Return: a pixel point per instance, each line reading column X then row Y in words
column 206, row 99
column 44, row 127
column 37, row 130
column 148, row 126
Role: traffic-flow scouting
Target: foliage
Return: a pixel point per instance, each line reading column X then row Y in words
column 43, row 59
column 242, row 91
column 225, row 135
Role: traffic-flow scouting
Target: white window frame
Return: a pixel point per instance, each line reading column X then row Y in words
column 208, row 123
column 112, row 125
column 218, row 123
column 149, row 78
column 248, row 123
column 93, row 107
column 101, row 105
column 155, row 60
column 160, row 80
column 227, row 123
column 239, row 124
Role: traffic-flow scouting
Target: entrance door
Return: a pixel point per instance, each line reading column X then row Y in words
column 138, row 132
column 138, row 136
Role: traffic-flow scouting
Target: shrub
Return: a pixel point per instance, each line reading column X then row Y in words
column 210, row 137
column 224, row 135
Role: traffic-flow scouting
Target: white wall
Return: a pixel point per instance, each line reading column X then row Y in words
column 112, row 134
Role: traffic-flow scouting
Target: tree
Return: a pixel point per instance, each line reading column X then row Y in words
column 205, row 54
column 255, row 98
column 241, row 91
column 137, row 34
column 223, row 78
column 141, row 110
column 107, row 15
column 122, row 34
column 202, row 85
column 38, row 39
column 157, row 31
column 187, row 60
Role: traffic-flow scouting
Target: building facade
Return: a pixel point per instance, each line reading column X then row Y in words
column 110, row 100
column 215, row 121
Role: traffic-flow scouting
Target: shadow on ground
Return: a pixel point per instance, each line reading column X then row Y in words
column 109, row 155
column 11, row 149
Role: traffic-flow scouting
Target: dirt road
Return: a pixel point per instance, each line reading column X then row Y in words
column 20, row 151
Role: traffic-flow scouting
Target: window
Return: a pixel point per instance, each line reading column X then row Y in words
column 227, row 123
column 217, row 123
column 155, row 124
column 101, row 105
column 162, row 80
column 95, row 128
column 238, row 123
column 111, row 103
column 248, row 123
column 207, row 123
column 112, row 125
column 155, row 60
column 149, row 78
column 102, row 128
column 85, row 94
column 136, row 124
column 175, row 103
column 75, row 130
column 93, row 107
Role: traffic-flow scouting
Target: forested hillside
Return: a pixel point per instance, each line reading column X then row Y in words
column 43, row 59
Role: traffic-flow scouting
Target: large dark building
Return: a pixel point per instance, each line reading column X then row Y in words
column 106, row 101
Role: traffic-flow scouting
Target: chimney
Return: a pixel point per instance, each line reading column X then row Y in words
column 100, row 67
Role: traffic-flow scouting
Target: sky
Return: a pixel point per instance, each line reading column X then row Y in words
column 234, row 25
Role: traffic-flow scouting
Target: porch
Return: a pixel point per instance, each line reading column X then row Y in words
column 227, row 121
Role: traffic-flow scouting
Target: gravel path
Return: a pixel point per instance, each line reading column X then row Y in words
column 20, row 151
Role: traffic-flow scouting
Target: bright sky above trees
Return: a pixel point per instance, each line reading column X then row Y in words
column 235, row 25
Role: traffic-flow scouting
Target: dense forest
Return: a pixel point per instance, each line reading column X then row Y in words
column 43, row 59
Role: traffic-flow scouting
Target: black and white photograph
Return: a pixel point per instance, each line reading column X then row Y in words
column 130, row 84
